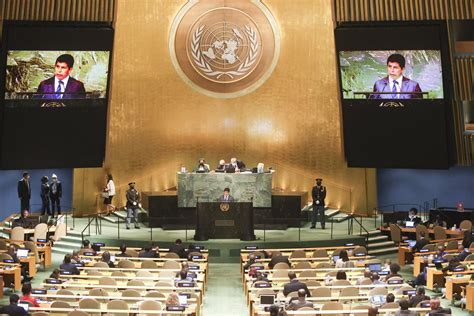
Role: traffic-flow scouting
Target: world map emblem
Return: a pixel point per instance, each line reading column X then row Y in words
column 224, row 49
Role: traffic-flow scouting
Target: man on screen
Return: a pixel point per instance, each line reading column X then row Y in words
column 62, row 85
column 395, row 84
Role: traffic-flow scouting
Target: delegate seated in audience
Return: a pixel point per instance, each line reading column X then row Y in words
column 55, row 274
column 86, row 247
column 404, row 308
column 250, row 261
column 11, row 250
column 386, row 265
column 13, row 309
column 172, row 299
column 300, row 302
column 23, row 220
column 420, row 296
column 452, row 263
column 343, row 261
column 149, row 252
column 390, row 298
column 437, row 310
column 26, row 290
column 75, row 258
column 340, row 275
column 68, row 266
column 178, row 248
column 106, row 258
column 275, row 310
column 277, row 258
column 394, row 269
column 462, row 253
column 376, row 279
column 183, row 277
column 123, row 252
column 367, row 275
column 294, row 285
column 413, row 216
column 420, row 243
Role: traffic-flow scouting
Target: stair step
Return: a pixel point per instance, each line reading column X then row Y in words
column 375, row 232
column 70, row 237
column 377, row 238
column 380, row 251
column 61, row 250
column 340, row 218
column 381, row 244
column 331, row 212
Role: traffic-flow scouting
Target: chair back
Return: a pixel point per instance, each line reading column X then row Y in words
column 320, row 253
column 307, row 274
column 429, row 247
column 77, row 313
column 174, row 265
column 323, row 265
column 280, row 274
column 439, row 233
column 18, row 233
column 89, row 303
column 126, row 264
column 166, row 274
column 40, row 231
column 172, row 255
column 422, row 228
column 118, row 274
column 378, row 291
column 33, row 249
column 99, row 292
column 321, row 292
column 303, row 265
column 60, row 232
column 3, row 244
column 4, row 256
column 452, row 245
column 118, row 305
column 135, row 283
column 470, row 257
column 145, row 274
column 298, row 254
column 151, row 305
column 60, row 304
column 107, row 281
column 359, row 250
column 101, row 265
column 281, row 265
column 149, row 264
column 132, row 253
column 312, row 283
column 391, row 305
column 155, row 294
column 466, row 225
column 95, row 273
column 65, row 292
column 349, row 291
column 130, row 293
column 331, row 306
column 366, row 281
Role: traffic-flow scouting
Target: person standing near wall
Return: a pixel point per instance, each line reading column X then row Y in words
column 55, row 194
column 110, row 193
column 319, row 194
column 133, row 205
column 45, row 196
column 24, row 191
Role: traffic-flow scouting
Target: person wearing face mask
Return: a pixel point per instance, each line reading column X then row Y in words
column 55, row 194
column 202, row 167
column 319, row 194
column 413, row 216
column 237, row 164
column 45, row 196
column 133, row 205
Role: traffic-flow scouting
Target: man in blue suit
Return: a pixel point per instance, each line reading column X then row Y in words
column 61, row 85
column 395, row 83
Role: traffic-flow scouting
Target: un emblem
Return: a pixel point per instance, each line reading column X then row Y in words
column 224, row 49
column 224, row 207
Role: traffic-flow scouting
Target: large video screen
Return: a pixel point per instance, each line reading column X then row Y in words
column 391, row 74
column 55, row 84
column 56, row 75
column 395, row 92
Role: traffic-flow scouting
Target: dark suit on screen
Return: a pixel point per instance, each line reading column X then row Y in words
column 24, row 194
column 74, row 89
column 13, row 310
column 383, row 85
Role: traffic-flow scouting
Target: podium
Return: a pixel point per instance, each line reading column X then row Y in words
column 223, row 220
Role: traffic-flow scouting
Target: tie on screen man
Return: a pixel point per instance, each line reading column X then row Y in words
column 319, row 194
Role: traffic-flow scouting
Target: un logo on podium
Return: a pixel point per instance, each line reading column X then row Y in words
column 227, row 49
column 224, row 207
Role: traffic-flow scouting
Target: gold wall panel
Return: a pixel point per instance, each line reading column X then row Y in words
column 292, row 122
column 403, row 10
column 58, row 10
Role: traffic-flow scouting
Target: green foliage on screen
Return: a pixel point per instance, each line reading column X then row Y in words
column 26, row 69
column 361, row 69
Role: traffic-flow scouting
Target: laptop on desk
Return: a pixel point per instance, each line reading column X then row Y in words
column 409, row 224
column 22, row 253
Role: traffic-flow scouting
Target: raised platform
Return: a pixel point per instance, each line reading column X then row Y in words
column 220, row 250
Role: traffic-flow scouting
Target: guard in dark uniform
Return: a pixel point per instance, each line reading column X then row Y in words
column 319, row 194
column 24, row 191
column 133, row 205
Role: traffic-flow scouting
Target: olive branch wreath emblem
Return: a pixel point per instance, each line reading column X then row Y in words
column 203, row 66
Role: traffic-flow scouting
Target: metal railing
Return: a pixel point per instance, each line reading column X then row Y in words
column 423, row 209
column 350, row 228
column 98, row 225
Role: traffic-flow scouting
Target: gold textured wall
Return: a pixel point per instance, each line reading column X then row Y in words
column 292, row 122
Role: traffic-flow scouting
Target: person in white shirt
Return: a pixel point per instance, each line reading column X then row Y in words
column 110, row 193
column 343, row 261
